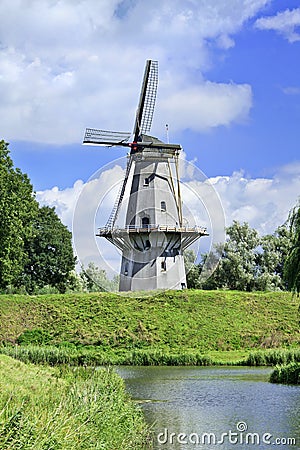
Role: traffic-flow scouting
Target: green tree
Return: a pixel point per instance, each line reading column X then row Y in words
column 18, row 208
column 270, row 259
column 191, row 269
column 249, row 262
column 292, row 262
column 95, row 279
column 237, row 268
column 50, row 255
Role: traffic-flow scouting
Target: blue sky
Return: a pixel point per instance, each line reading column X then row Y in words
column 229, row 88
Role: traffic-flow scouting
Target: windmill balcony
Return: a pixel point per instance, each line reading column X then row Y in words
column 105, row 231
column 159, row 235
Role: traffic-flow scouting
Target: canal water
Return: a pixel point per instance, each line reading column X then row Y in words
column 228, row 408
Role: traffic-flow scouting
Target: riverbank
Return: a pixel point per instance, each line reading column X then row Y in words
column 64, row 408
column 89, row 356
column 172, row 322
column 286, row 374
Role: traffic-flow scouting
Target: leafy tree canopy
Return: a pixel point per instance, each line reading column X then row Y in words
column 247, row 261
column 50, row 253
column 18, row 209
column 35, row 247
column 292, row 263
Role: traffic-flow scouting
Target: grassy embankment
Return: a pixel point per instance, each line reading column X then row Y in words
column 185, row 327
column 82, row 408
column 66, row 408
column 286, row 374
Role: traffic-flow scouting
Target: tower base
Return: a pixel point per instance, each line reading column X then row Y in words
column 159, row 273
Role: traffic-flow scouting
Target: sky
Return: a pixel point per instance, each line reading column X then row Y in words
column 229, row 90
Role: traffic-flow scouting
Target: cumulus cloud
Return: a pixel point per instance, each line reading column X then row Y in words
column 69, row 64
column 262, row 202
column 207, row 105
column 286, row 23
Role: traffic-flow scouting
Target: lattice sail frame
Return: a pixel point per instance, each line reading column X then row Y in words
column 106, row 138
column 150, row 98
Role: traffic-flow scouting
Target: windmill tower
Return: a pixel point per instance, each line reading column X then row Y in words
column 153, row 238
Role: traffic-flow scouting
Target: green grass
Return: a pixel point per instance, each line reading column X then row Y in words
column 45, row 408
column 177, row 322
column 54, row 356
column 287, row 374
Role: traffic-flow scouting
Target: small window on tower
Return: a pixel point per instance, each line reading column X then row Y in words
column 145, row 222
column 146, row 181
column 163, row 266
column 126, row 270
column 163, row 206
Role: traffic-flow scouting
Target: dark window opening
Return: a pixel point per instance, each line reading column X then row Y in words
column 145, row 222
column 163, row 206
column 163, row 265
column 146, row 181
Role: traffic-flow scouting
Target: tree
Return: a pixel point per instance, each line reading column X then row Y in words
column 237, row 267
column 95, row 279
column 35, row 247
column 50, row 255
column 247, row 261
column 270, row 260
column 292, row 262
column 18, row 208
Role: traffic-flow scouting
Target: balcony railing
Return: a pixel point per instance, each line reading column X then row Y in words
column 151, row 227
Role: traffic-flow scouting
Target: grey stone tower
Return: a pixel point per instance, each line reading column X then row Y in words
column 153, row 238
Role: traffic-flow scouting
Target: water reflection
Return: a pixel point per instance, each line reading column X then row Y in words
column 199, row 400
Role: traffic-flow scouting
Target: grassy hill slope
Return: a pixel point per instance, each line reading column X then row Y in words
column 184, row 320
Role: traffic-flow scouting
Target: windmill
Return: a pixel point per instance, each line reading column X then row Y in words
column 154, row 235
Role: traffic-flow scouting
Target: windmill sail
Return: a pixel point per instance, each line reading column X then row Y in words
column 145, row 109
column 107, row 138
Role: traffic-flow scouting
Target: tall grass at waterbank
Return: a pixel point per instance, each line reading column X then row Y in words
column 67, row 409
column 288, row 374
column 93, row 356
column 272, row 357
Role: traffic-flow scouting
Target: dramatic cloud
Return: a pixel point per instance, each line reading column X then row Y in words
column 69, row 64
column 285, row 23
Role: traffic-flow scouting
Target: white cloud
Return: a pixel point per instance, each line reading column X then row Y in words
column 63, row 200
column 262, row 202
column 291, row 90
column 207, row 105
column 285, row 23
column 65, row 65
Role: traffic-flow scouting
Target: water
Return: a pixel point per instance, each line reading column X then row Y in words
column 215, row 407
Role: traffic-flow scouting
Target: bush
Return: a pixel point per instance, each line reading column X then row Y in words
column 36, row 337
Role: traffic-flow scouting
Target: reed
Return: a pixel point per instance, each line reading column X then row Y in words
column 67, row 409
column 95, row 356
column 272, row 357
column 162, row 358
column 288, row 374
